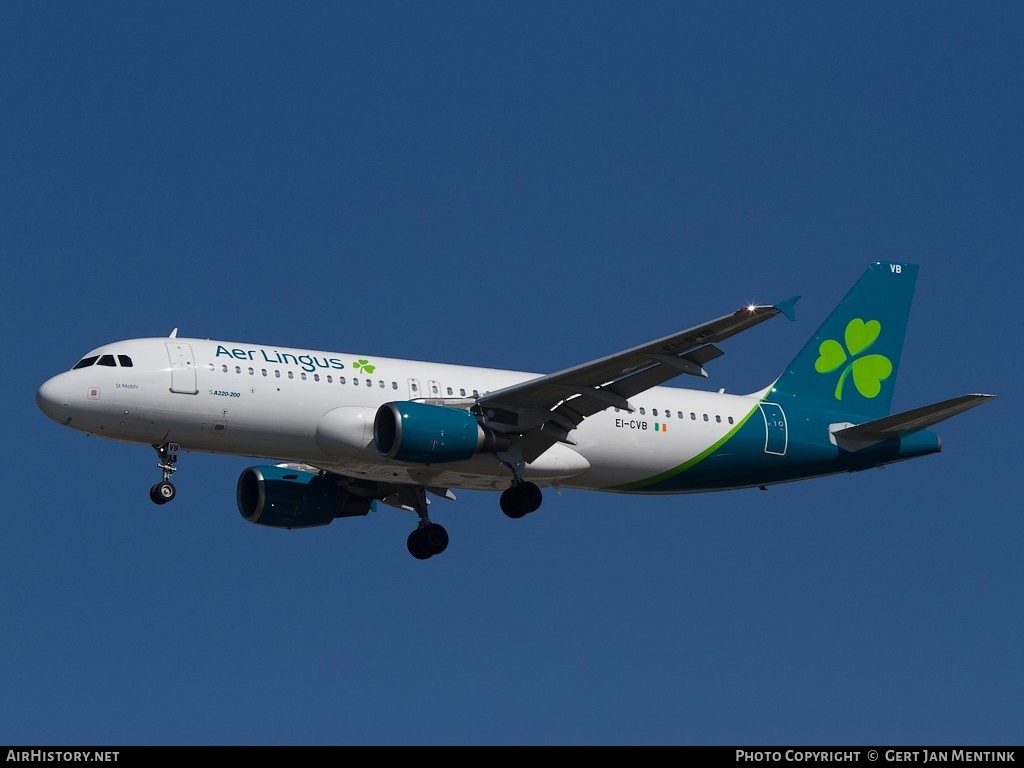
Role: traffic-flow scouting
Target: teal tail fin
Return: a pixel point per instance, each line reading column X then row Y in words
column 852, row 359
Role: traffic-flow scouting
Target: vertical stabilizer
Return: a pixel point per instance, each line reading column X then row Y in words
column 852, row 360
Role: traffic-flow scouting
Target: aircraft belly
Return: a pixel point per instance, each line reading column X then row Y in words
column 482, row 472
column 495, row 477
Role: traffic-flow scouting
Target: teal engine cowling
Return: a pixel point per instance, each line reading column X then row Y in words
column 282, row 497
column 421, row 433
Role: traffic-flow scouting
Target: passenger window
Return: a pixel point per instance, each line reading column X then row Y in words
column 85, row 362
column 654, row 411
column 291, row 374
column 107, row 360
column 125, row 361
column 706, row 417
column 212, row 367
column 252, row 372
column 341, row 379
column 277, row 374
column 238, row 369
column 394, row 385
column 369, row 382
column 303, row 375
column 450, row 391
column 355, row 382
column 316, row 377
column 643, row 410
column 693, row 416
column 462, row 391
column 730, row 419
column 382, row 383
column 330, row 380
column 718, row 419
column 224, row 368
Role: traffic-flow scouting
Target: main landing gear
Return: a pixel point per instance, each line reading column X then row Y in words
column 164, row 491
column 520, row 499
column 429, row 538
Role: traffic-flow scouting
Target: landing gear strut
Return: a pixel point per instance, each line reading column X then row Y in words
column 429, row 538
column 164, row 491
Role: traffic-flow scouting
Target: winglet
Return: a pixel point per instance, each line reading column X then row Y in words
column 787, row 307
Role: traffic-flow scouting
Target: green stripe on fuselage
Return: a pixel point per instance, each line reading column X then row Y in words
column 670, row 473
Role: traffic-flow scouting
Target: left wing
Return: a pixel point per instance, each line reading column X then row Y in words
column 546, row 409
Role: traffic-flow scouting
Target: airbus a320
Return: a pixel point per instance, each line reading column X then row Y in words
column 342, row 432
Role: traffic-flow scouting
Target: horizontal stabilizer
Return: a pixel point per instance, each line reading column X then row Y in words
column 902, row 424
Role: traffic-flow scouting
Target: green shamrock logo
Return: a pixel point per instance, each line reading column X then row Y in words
column 869, row 371
column 364, row 366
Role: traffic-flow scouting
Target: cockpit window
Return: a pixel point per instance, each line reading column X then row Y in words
column 108, row 360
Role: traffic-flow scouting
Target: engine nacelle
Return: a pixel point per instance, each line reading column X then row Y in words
column 281, row 497
column 432, row 434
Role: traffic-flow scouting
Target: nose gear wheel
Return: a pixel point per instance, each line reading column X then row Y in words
column 164, row 491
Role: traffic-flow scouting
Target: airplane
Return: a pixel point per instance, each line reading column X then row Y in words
column 344, row 432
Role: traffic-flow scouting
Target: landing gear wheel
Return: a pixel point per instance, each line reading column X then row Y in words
column 435, row 537
column 415, row 545
column 427, row 541
column 161, row 493
column 521, row 499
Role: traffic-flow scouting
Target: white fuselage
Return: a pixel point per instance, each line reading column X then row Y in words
column 317, row 408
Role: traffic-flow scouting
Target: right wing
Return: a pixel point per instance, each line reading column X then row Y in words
column 545, row 409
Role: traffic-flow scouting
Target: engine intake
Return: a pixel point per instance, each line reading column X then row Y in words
column 281, row 497
column 432, row 434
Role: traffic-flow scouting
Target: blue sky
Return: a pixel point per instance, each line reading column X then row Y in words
column 528, row 185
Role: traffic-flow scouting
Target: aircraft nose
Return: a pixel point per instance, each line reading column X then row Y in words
column 52, row 401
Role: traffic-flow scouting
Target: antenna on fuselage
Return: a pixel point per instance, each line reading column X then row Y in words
column 174, row 334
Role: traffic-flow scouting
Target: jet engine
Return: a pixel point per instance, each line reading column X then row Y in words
column 283, row 497
column 421, row 433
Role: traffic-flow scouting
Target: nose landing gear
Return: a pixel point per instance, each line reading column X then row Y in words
column 164, row 491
